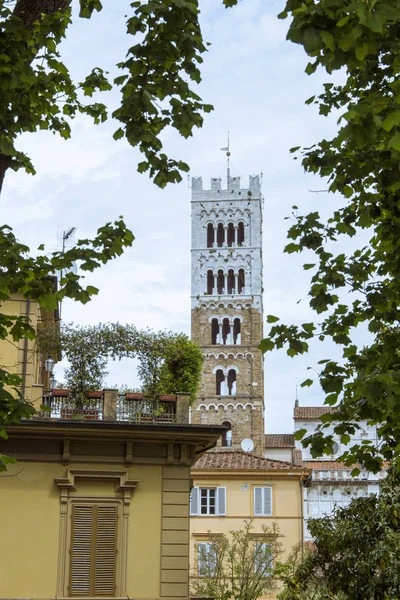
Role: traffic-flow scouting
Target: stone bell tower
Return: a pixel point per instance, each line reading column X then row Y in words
column 227, row 312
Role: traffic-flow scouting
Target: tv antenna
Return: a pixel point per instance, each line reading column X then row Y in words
column 228, row 169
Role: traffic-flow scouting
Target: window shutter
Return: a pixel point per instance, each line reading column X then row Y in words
column 258, row 508
column 93, row 550
column 105, row 551
column 221, row 501
column 81, row 550
column 194, row 501
column 267, row 501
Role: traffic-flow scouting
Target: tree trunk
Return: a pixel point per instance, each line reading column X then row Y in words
column 30, row 11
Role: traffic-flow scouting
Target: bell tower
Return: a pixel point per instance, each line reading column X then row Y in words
column 227, row 312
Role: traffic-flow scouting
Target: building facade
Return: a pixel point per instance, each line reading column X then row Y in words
column 331, row 483
column 226, row 307
column 231, row 487
column 98, row 503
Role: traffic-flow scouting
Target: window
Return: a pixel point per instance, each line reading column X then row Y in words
column 93, row 550
column 236, row 332
column 220, row 282
column 206, row 559
column 208, row 501
column 263, row 501
column 231, row 235
column 231, row 282
column 220, row 235
column 240, row 234
column 214, row 332
column 210, row 235
column 263, row 559
column 226, row 439
column 241, row 281
column 210, row 282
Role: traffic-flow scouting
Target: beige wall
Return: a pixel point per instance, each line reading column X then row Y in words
column 157, row 528
column 286, row 510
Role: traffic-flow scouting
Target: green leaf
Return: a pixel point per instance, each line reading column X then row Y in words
column 266, row 345
column 272, row 319
column 299, row 434
column 393, row 120
column 307, row 383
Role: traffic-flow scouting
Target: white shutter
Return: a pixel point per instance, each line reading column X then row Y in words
column 267, row 501
column 258, row 501
column 221, row 501
column 194, row 501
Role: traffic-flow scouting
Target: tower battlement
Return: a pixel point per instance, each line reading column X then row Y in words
column 233, row 187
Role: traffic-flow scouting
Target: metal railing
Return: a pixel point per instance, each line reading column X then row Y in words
column 145, row 410
column 89, row 409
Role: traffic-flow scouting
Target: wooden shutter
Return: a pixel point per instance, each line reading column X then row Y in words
column 194, row 501
column 258, row 501
column 105, row 551
column 81, row 550
column 221, row 501
column 267, row 501
column 93, row 550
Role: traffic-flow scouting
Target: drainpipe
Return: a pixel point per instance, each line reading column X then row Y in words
column 25, row 351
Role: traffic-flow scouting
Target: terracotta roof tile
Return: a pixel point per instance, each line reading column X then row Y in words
column 311, row 412
column 279, row 440
column 238, row 461
column 326, row 465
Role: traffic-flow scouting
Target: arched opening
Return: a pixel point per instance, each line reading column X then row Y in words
column 210, row 282
column 240, row 233
column 214, row 331
column 226, row 439
column 231, row 382
column 236, row 332
column 220, row 382
column 225, row 331
column 241, row 281
column 220, row 235
column 220, row 282
column 231, row 235
column 231, row 282
column 210, row 235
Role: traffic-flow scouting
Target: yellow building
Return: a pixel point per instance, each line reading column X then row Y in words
column 98, row 503
column 23, row 357
column 230, row 487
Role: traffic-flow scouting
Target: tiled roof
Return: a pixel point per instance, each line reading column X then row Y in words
column 279, row 440
column 311, row 412
column 326, row 465
column 239, row 460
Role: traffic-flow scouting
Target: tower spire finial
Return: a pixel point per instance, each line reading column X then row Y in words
column 228, row 170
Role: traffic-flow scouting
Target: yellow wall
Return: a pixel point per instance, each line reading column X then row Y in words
column 286, row 511
column 30, row 508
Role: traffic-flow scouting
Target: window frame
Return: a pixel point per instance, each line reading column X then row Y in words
column 209, row 547
column 220, row 500
column 263, row 512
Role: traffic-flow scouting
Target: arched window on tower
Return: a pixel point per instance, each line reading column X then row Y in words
column 214, row 331
column 210, row 235
column 241, row 282
column 231, row 281
column 220, row 382
column 210, row 282
column 220, row 235
column 231, row 235
column 220, row 282
column 231, row 382
column 226, row 439
column 240, row 233
column 236, row 332
column 225, row 331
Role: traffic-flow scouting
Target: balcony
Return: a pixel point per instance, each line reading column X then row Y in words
column 109, row 405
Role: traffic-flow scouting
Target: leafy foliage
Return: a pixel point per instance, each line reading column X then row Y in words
column 37, row 91
column 168, row 362
column 359, row 288
column 242, row 565
column 356, row 553
column 34, row 278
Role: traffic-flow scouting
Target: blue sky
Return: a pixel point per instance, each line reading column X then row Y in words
column 256, row 82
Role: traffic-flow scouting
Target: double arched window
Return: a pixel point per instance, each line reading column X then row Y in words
column 225, row 381
column 225, row 331
column 222, row 282
column 220, row 235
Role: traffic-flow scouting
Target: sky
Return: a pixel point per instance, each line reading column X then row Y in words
column 255, row 79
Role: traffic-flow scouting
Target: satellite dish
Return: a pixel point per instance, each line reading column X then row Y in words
column 247, row 445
